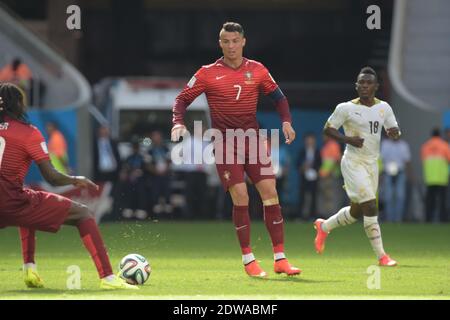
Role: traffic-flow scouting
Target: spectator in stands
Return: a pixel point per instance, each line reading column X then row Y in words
column 280, row 162
column 330, row 174
column 447, row 137
column 57, row 148
column 435, row 155
column 309, row 163
column 107, row 163
column 106, row 157
column 18, row 73
column 132, row 184
column 195, row 177
column 160, row 174
column 396, row 164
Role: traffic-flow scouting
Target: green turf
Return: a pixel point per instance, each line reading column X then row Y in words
column 202, row 261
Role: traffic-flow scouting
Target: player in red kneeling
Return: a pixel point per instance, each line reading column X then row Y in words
column 20, row 144
column 232, row 86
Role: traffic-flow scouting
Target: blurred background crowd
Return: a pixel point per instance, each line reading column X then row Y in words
column 102, row 94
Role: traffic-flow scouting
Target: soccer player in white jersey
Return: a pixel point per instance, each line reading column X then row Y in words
column 363, row 119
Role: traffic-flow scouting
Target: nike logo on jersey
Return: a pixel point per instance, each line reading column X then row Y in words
column 359, row 114
column 278, row 222
column 219, row 77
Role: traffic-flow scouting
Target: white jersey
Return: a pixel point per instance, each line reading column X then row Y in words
column 364, row 122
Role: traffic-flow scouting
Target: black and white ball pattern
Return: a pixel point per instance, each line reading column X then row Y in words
column 134, row 269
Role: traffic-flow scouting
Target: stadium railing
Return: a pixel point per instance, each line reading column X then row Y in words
column 66, row 86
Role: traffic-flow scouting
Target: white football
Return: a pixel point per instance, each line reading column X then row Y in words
column 134, row 269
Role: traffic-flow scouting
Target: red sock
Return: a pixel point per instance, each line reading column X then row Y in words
column 275, row 225
column 27, row 236
column 241, row 220
column 93, row 242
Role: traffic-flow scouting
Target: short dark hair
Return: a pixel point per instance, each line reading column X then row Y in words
column 309, row 134
column 436, row 132
column 233, row 27
column 16, row 63
column 369, row 70
column 52, row 124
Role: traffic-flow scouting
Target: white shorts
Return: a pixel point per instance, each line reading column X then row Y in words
column 360, row 179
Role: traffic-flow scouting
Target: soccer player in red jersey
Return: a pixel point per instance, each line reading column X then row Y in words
column 20, row 144
column 232, row 85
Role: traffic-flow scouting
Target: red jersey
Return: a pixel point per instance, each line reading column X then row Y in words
column 20, row 143
column 232, row 94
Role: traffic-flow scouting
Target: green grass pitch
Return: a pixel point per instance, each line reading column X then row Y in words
column 201, row 260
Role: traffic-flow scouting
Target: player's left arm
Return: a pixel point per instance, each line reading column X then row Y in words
column 38, row 152
column 270, row 88
column 56, row 178
column 391, row 125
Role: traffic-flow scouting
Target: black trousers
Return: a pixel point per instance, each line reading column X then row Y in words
column 134, row 194
column 196, row 195
column 436, row 197
column 308, row 187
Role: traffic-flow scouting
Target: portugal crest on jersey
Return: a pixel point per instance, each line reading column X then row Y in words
column 248, row 78
column 227, row 175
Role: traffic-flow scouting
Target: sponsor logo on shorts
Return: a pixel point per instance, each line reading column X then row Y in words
column 278, row 222
column 362, row 192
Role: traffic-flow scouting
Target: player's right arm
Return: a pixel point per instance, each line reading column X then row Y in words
column 335, row 121
column 195, row 87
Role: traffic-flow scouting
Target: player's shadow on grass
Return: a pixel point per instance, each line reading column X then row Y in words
column 297, row 279
column 38, row 291
column 58, row 291
column 411, row 266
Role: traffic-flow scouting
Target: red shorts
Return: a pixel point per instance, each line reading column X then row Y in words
column 32, row 209
column 234, row 160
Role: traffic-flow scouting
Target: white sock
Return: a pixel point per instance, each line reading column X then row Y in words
column 373, row 232
column 342, row 218
column 279, row 256
column 111, row 277
column 247, row 258
column 30, row 265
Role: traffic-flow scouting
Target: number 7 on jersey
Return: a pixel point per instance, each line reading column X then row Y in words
column 239, row 90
